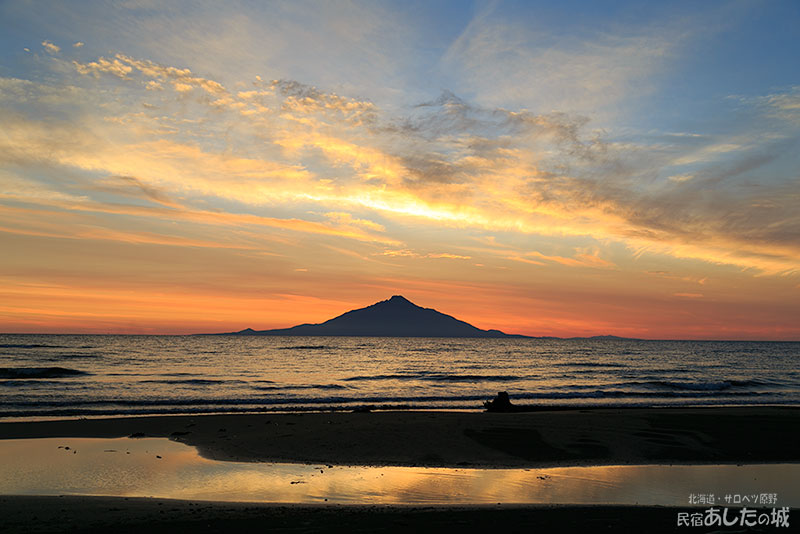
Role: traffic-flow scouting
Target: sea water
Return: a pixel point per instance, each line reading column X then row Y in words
column 92, row 375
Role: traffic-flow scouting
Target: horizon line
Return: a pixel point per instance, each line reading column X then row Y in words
column 512, row 336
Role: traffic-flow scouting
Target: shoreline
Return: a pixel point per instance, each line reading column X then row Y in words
column 543, row 438
column 372, row 408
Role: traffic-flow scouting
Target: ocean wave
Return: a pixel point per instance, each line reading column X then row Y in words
column 306, row 347
column 30, row 384
column 436, row 377
column 191, row 382
column 295, row 400
column 71, row 356
column 435, row 350
column 182, row 410
column 289, row 407
column 616, row 394
column 141, row 374
column 442, row 377
column 378, row 377
column 285, row 398
column 30, row 346
column 301, row 386
column 24, row 373
column 588, row 364
column 717, row 385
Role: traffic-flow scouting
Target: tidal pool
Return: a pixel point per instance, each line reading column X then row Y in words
column 157, row 467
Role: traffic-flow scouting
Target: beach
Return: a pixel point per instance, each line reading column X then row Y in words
column 722, row 435
column 117, row 514
column 449, row 439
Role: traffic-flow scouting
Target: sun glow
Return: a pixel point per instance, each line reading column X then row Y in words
column 556, row 196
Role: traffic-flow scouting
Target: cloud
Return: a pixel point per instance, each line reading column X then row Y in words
column 179, row 77
column 19, row 92
column 105, row 234
column 150, row 192
column 404, row 253
column 446, row 161
column 104, row 66
column 522, row 63
column 306, row 100
column 50, row 47
column 708, row 153
column 784, row 105
column 182, row 80
column 580, row 259
column 348, row 219
column 50, row 205
column 78, row 44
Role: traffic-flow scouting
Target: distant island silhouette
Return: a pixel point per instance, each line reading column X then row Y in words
column 396, row 317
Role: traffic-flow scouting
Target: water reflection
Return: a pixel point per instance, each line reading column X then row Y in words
column 161, row 468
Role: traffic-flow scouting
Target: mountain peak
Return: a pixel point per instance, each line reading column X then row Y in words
column 395, row 317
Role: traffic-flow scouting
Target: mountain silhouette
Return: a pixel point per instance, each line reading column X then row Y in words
column 396, row 317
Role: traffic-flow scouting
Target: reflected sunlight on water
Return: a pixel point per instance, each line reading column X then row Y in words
column 157, row 467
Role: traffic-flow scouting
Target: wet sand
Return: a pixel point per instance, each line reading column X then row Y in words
column 442, row 439
column 123, row 515
column 534, row 439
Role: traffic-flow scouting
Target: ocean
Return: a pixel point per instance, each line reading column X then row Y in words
column 45, row 376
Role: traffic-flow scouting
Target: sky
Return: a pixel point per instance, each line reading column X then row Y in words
column 552, row 169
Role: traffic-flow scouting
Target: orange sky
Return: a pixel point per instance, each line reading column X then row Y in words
column 146, row 187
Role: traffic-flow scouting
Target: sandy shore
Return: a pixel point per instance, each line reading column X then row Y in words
column 122, row 515
column 535, row 439
column 544, row 438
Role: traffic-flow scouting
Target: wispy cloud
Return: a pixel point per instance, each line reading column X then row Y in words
column 784, row 105
column 580, row 259
column 447, row 161
column 504, row 60
column 404, row 253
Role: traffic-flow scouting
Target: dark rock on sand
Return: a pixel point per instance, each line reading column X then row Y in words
column 501, row 403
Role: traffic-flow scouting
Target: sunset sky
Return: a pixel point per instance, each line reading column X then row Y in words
column 572, row 168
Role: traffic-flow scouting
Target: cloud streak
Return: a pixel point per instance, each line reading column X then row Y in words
column 446, row 161
column 279, row 179
column 518, row 60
